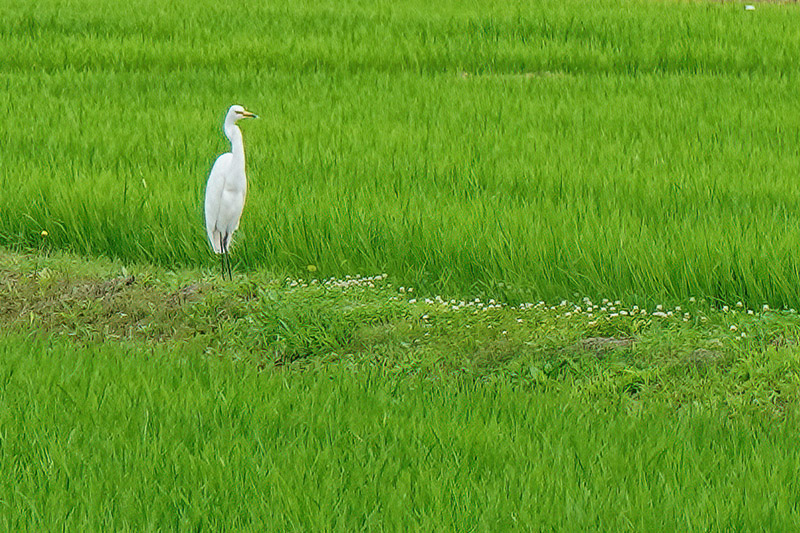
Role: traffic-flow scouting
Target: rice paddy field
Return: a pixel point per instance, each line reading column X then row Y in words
column 526, row 264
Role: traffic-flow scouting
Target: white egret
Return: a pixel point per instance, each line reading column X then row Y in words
column 227, row 188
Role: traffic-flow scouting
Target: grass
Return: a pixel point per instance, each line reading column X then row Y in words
column 523, row 150
column 739, row 360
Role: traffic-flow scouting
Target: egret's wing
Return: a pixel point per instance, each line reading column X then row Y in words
column 214, row 190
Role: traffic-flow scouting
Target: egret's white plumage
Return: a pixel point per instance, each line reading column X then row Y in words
column 227, row 187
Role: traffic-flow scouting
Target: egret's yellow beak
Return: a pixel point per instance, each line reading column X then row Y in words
column 248, row 114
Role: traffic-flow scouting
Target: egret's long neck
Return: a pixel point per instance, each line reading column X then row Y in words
column 234, row 134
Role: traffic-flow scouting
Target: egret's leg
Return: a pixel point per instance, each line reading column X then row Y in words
column 222, row 255
column 228, row 257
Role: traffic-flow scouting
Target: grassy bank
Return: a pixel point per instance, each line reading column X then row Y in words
column 694, row 354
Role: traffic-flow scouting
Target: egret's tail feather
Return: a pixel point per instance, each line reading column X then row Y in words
column 215, row 238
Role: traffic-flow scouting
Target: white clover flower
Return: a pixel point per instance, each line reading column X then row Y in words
column 766, row 307
column 744, row 334
column 733, row 327
column 402, row 289
column 505, row 332
column 692, row 300
column 618, row 302
column 750, row 312
column 678, row 308
column 592, row 323
column 412, row 301
column 605, row 301
column 519, row 321
column 659, row 307
column 725, row 309
column 613, row 315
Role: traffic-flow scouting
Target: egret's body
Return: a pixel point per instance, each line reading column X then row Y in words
column 227, row 188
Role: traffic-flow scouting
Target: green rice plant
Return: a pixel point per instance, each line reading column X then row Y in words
column 524, row 150
column 124, row 436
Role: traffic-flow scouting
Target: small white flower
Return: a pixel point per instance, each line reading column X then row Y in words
column 725, row 309
column 412, row 301
column 678, row 308
column 692, row 300
column 766, row 307
column 733, row 327
column 659, row 307
column 402, row 289
column 744, row 334
column 749, row 311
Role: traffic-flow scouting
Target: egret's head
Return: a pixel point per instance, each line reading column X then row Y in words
column 236, row 113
